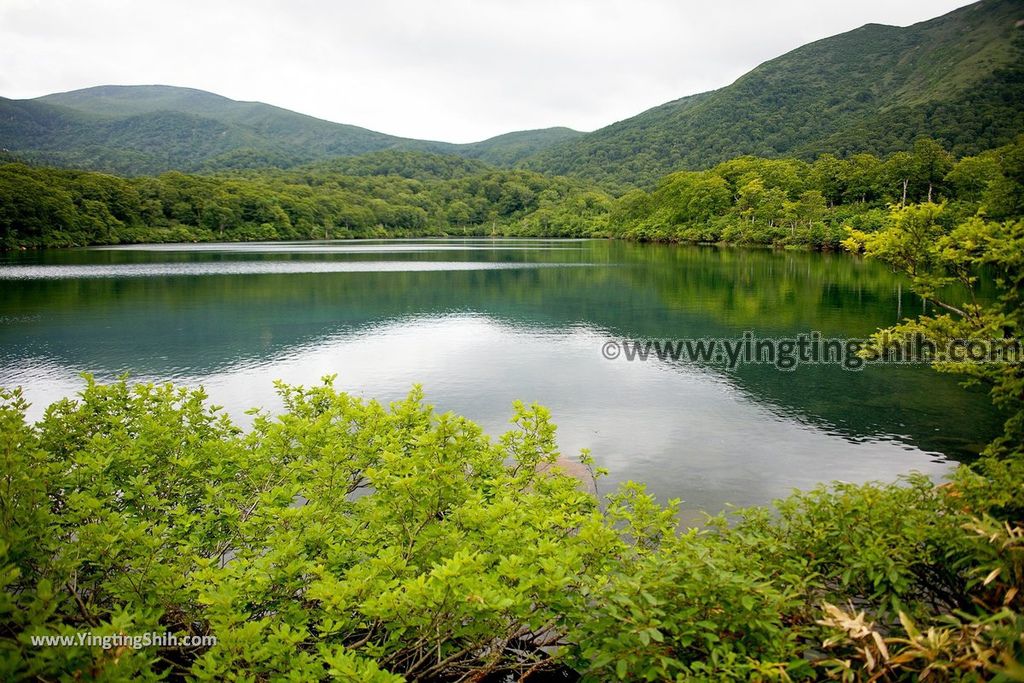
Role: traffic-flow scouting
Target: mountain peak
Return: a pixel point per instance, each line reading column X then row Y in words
column 118, row 100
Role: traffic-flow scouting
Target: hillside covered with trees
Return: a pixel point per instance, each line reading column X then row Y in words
column 385, row 194
column 134, row 130
column 958, row 78
column 748, row 200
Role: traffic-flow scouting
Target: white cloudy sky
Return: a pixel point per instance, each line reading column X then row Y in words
column 456, row 70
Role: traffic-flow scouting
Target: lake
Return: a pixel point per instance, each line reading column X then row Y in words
column 483, row 322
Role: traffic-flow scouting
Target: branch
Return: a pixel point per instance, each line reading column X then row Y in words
column 81, row 605
column 953, row 309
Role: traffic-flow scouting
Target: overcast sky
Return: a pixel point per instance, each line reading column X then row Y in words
column 455, row 70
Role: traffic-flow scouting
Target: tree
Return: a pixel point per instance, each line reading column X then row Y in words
column 930, row 165
column 345, row 540
column 809, row 209
column 515, row 197
column 459, row 213
column 863, row 184
column 1004, row 197
column 914, row 241
column 971, row 176
column 898, row 172
column 830, row 176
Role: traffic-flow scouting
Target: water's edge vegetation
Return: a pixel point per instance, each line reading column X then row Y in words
column 748, row 200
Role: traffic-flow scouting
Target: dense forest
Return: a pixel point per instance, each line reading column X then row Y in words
column 748, row 200
column 359, row 197
column 790, row 202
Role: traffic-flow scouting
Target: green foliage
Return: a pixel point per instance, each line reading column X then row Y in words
column 343, row 528
column 510, row 148
column 346, row 540
column 980, row 637
column 403, row 164
column 917, row 241
column 787, row 202
column 784, row 202
column 378, row 195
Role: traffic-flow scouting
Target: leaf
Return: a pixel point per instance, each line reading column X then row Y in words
column 992, row 576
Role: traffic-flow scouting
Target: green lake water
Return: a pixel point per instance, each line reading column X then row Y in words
column 481, row 323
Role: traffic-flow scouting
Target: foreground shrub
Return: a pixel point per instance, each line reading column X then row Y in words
column 346, row 540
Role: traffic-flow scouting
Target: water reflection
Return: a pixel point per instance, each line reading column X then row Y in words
column 479, row 338
column 43, row 272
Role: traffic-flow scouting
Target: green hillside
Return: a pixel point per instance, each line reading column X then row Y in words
column 154, row 128
column 149, row 129
column 957, row 78
column 507, row 149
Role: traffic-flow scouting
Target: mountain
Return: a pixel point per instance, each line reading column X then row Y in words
column 154, row 128
column 957, row 78
column 147, row 129
column 507, row 149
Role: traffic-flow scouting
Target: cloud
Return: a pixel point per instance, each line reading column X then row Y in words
column 449, row 69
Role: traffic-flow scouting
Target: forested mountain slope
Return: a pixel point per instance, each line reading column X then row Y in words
column 957, row 78
column 150, row 129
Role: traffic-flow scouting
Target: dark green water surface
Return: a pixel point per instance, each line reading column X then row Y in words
column 481, row 323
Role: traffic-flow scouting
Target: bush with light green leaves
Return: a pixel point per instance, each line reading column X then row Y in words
column 346, row 540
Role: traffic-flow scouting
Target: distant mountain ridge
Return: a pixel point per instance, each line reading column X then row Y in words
column 154, row 128
column 958, row 78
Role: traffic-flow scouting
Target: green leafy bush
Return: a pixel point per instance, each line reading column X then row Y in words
column 347, row 540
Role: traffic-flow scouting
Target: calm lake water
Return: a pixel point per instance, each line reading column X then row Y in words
column 480, row 323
